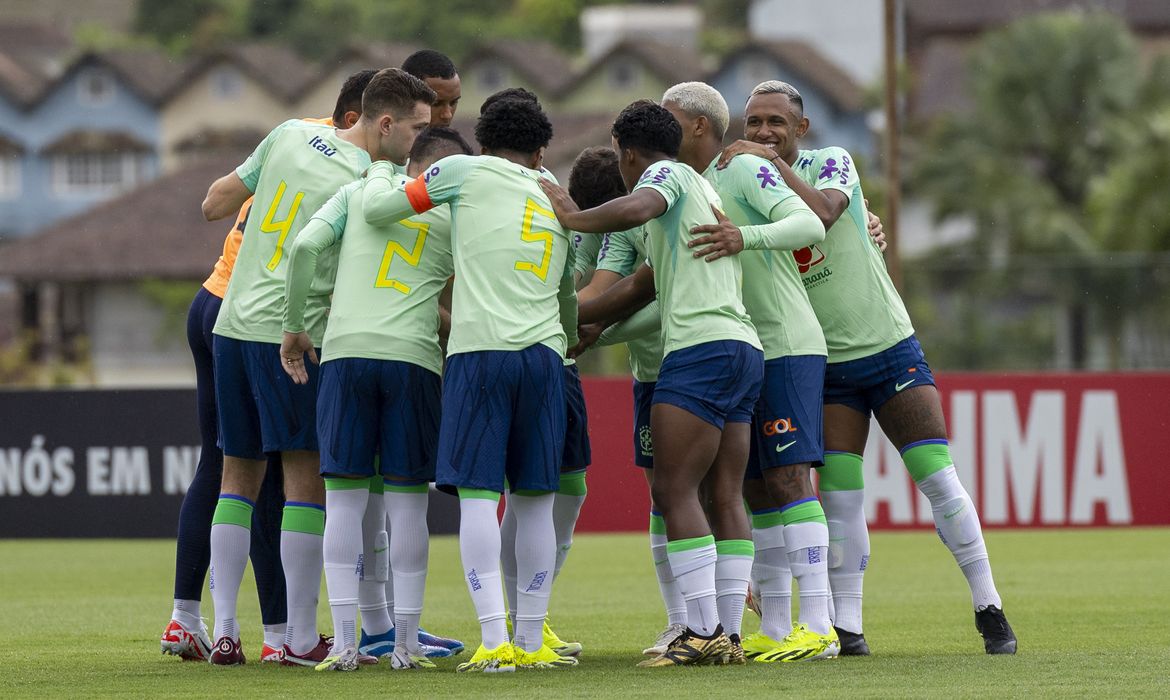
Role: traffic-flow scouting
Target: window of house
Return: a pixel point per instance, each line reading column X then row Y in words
column 96, row 172
column 491, row 77
column 226, row 82
column 9, row 176
column 622, row 75
column 96, row 86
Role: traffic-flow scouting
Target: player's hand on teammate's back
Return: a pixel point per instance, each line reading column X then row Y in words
column 292, row 355
column 740, row 147
column 562, row 203
column 875, row 229
column 722, row 239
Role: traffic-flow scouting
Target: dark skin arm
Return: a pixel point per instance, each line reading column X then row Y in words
column 622, row 299
column 615, row 215
column 828, row 205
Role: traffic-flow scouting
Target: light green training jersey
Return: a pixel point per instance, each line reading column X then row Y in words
column 293, row 171
column 586, row 247
column 386, row 300
column 845, row 277
column 623, row 253
column 700, row 301
column 510, row 252
column 754, row 194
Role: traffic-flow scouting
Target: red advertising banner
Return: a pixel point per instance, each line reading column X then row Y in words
column 1033, row 450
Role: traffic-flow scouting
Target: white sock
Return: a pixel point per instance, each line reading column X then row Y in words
column 536, row 555
column 229, row 555
column 389, row 585
column 479, row 549
column 566, row 510
column 302, row 556
column 372, row 592
column 508, row 557
column 409, row 550
column 848, row 554
column 958, row 527
column 807, row 544
column 676, row 607
column 186, row 613
column 344, row 560
column 694, row 570
column 774, row 581
column 274, row 635
column 733, row 570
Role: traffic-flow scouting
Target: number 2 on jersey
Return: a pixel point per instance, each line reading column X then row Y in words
column 412, row 257
column 545, row 237
column 282, row 227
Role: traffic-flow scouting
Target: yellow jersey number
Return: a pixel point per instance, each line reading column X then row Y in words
column 411, row 257
column 282, row 227
column 540, row 236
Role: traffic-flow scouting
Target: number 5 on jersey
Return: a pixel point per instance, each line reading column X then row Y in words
column 411, row 257
column 546, row 237
column 282, row 227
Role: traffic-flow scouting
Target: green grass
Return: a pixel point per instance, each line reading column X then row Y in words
column 1090, row 607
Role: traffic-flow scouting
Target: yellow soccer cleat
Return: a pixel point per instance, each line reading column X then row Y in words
column 758, row 643
column 560, row 646
column 689, row 650
column 498, row 660
column 802, row 644
column 543, row 658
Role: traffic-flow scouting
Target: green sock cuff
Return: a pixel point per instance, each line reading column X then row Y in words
column 691, row 543
column 484, row 494
column 573, row 483
column 925, row 459
column 842, row 472
column 404, row 487
column 809, row 511
column 735, row 548
column 233, row 511
column 657, row 524
column 308, row 519
column 765, row 519
column 333, row 483
column 376, row 485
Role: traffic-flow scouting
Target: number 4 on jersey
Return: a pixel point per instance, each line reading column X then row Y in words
column 282, row 227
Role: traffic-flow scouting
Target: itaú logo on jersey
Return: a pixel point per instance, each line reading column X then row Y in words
column 808, row 258
column 779, row 426
column 322, row 146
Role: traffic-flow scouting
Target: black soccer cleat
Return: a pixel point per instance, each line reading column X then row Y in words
column 852, row 643
column 998, row 637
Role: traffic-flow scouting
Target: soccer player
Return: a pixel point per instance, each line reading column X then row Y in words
column 380, row 388
column 711, row 373
column 788, row 523
column 438, row 72
column 291, row 173
column 186, row 635
column 876, row 366
column 503, row 392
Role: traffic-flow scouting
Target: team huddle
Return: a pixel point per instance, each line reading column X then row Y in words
column 402, row 312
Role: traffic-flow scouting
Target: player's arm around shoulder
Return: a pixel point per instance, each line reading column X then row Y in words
column 384, row 202
column 834, row 180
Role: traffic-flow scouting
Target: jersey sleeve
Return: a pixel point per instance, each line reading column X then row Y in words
column 756, row 182
column 324, row 229
column 384, row 202
column 587, row 247
column 249, row 170
column 834, row 170
column 335, row 211
column 662, row 177
column 643, row 322
column 618, row 254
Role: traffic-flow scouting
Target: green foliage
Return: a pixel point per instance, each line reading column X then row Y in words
column 173, row 297
column 192, row 24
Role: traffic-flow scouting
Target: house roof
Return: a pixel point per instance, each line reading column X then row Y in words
column 149, row 71
column 89, row 140
column 278, row 68
column 8, row 147
column 154, row 231
column 810, row 67
column 672, row 64
column 541, row 64
column 19, row 84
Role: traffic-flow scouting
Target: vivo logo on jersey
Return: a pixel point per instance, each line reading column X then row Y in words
column 830, row 170
column 317, row 143
column 430, row 173
column 658, row 178
column 766, row 176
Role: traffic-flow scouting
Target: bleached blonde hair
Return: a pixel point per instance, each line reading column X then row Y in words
column 701, row 100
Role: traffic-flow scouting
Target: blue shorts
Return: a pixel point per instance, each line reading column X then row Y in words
column 383, row 408
column 578, row 455
column 788, row 425
column 503, row 417
column 260, row 409
column 865, row 384
column 718, row 381
column 643, row 443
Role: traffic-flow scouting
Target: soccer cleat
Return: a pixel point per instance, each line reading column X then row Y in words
column 347, row 660
column 271, row 655
column 543, row 658
column 758, row 643
column 313, row 657
column 379, row 645
column 852, row 643
column 227, row 652
column 186, row 644
column 736, row 656
column 433, row 640
column 403, row 660
column 802, row 644
column 558, row 645
column 668, row 635
column 998, row 637
column 691, row 650
column 499, row 660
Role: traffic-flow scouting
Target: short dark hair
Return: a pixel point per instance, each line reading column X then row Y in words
column 648, row 127
column 428, row 63
column 595, row 178
column 512, row 93
column 395, row 91
column 433, row 139
column 513, row 125
column 350, row 97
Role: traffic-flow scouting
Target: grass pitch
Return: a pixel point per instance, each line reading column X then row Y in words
column 1090, row 607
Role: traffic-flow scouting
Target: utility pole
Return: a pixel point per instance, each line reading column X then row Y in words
column 893, row 169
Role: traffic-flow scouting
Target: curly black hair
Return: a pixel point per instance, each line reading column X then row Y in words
column 595, row 178
column 513, row 125
column 350, row 97
column 428, row 63
column 436, row 138
column 648, row 127
column 512, row 93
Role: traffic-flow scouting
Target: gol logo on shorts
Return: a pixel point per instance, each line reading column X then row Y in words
column 779, row 426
